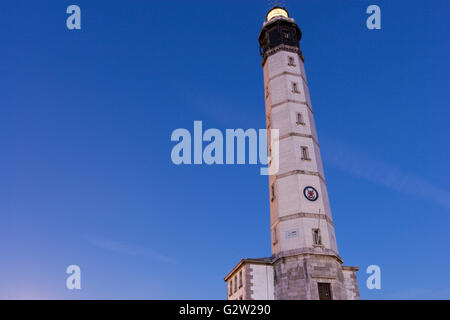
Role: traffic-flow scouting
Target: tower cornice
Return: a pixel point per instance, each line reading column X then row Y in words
column 279, row 48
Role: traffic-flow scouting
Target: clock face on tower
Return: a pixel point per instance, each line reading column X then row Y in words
column 310, row 193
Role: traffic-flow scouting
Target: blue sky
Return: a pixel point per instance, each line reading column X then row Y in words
column 86, row 118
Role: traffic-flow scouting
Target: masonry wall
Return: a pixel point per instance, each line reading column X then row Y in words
column 262, row 282
column 297, row 277
column 350, row 283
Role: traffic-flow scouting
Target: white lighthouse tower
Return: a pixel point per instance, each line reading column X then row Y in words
column 305, row 263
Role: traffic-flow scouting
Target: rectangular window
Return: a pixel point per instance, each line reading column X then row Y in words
column 274, row 236
column 291, row 62
column 288, row 33
column 305, row 155
column 272, row 192
column 269, row 157
column 316, row 237
column 324, row 291
column 300, row 119
column 295, row 87
column 240, row 279
column 230, row 291
column 235, row 284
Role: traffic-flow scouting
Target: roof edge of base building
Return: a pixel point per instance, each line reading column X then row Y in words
column 267, row 260
column 271, row 260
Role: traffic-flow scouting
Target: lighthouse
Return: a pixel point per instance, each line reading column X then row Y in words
column 305, row 262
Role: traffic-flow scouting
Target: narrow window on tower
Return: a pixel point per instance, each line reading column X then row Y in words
column 287, row 33
column 270, row 156
column 305, row 155
column 295, row 87
column 235, row 284
column 316, row 237
column 274, row 236
column 272, row 192
column 291, row 62
column 231, row 287
column 240, row 278
column 300, row 119
column 269, row 121
column 267, row 91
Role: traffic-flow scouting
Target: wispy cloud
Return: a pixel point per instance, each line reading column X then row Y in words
column 128, row 249
column 342, row 156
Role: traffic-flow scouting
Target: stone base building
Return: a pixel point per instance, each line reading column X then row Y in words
column 299, row 277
